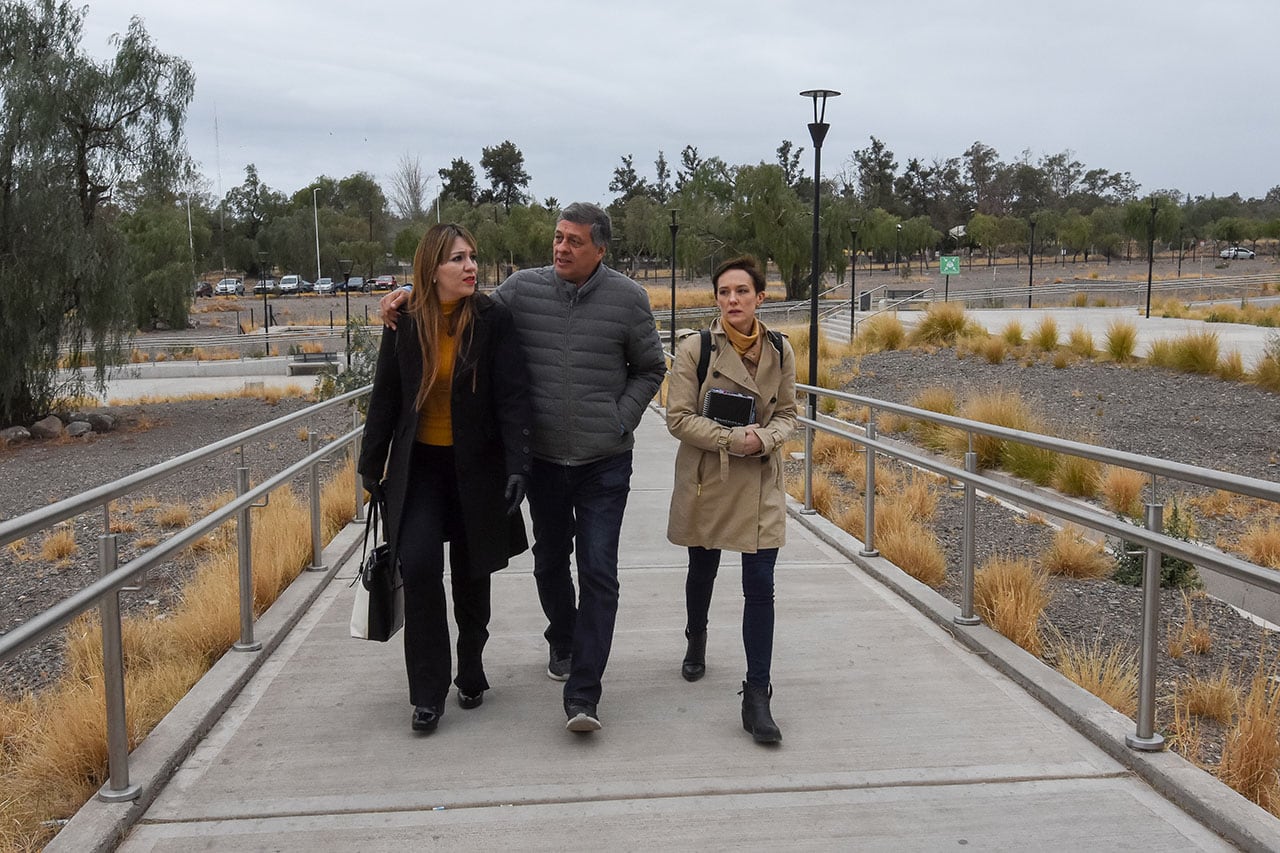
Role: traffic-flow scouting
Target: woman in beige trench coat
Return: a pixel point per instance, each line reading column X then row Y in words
column 728, row 491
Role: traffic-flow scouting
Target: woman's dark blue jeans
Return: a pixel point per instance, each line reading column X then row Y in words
column 757, row 606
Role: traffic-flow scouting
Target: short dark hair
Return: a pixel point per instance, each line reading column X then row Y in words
column 747, row 264
column 586, row 213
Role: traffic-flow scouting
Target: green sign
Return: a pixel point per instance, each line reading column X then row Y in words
column 949, row 265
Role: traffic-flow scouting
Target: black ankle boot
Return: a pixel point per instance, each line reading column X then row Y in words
column 695, row 657
column 756, row 718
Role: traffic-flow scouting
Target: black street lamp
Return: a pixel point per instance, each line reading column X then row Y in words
column 853, row 278
column 674, row 228
column 897, row 249
column 262, row 282
column 1181, row 245
column 345, row 266
column 817, row 132
column 1031, row 258
column 1151, row 251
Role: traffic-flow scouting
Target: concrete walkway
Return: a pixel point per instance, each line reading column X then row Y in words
column 897, row 735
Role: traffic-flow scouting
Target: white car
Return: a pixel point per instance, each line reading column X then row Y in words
column 294, row 284
column 324, row 285
column 229, row 287
column 1237, row 252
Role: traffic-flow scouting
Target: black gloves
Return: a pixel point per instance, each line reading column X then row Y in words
column 517, row 485
column 374, row 488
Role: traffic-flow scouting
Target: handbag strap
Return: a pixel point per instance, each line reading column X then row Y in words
column 373, row 525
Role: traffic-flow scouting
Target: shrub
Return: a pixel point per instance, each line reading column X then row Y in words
column 1071, row 555
column 1010, row 596
column 1122, row 340
column 1175, row 572
column 1045, row 335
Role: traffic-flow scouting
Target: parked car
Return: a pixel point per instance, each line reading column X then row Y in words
column 358, row 283
column 294, row 284
column 229, row 287
column 324, row 285
column 1236, row 252
column 385, row 282
column 266, row 285
column 203, row 288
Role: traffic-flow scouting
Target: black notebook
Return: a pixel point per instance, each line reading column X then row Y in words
column 729, row 408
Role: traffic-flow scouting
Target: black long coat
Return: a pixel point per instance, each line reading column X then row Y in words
column 491, row 429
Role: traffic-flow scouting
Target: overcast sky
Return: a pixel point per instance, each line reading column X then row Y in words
column 1180, row 93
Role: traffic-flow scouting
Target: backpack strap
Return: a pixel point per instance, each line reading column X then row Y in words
column 775, row 338
column 704, row 357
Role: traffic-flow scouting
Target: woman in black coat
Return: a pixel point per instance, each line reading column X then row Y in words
column 449, row 422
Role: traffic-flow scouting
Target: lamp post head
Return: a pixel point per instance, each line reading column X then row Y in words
column 899, row 226
column 345, row 266
column 818, row 127
column 674, row 226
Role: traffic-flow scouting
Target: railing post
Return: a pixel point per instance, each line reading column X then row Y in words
column 808, row 468
column 245, row 564
column 869, row 503
column 1146, row 738
column 355, row 456
column 967, row 616
column 117, row 788
column 317, row 546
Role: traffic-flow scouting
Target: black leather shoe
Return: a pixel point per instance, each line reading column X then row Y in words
column 426, row 718
column 470, row 701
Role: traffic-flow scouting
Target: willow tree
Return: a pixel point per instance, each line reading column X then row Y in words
column 72, row 128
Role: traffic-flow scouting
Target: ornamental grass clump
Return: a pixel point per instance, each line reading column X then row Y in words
column 1077, row 476
column 1111, row 674
column 942, row 401
column 942, row 324
column 1012, row 333
column 1196, row 352
column 1121, row 340
column 882, row 332
column 1215, row 698
column 1122, row 490
column 1251, row 754
column 1044, row 336
column 1010, row 595
column 1261, row 544
column 1071, row 555
column 1080, row 342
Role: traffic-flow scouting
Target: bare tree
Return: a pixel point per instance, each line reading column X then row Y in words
column 409, row 188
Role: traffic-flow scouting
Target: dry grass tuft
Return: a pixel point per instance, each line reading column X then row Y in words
column 999, row 407
column 824, row 494
column 1192, row 636
column 1012, row 333
column 1251, row 755
column 1197, row 352
column 1044, row 336
column 1261, row 544
column 1162, row 353
column 60, row 544
column 174, row 516
column 941, row 325
column 1121, row 340
column 1080, row 342
column 1122, row 491
column 1212, row 698
column 881, row 332
column 909, row 545
column 1266, row 373
column 1010, row 595
column 1231, row 368
column 1071, row 555
column 1077, row 476
column 992, row 350
column 1111, row 675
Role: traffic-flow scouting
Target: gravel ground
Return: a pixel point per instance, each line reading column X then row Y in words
column 1193, row 419
column 40, row 472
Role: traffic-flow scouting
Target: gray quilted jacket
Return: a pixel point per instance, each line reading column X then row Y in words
column 593, row 356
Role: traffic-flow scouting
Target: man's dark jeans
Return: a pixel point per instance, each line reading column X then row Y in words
column 583, row 503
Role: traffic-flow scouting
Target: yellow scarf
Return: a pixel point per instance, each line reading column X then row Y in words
column 742, row 343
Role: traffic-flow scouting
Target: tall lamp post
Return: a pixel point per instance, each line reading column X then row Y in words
column 315, row 212
column 345, row 266
column 674, row 226
column 897, row 249
column 262, row 282
column 1031, row 258
column 1151, row 251
column 817, row 132
column 853, row 279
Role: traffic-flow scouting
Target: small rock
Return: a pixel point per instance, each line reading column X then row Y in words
column 15, row 434
column 50, row 427
column 75, row 429
column 101, row 421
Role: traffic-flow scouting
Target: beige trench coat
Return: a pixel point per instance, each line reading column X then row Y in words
column 734, row 503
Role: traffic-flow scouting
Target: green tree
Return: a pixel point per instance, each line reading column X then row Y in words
column 984, row 230
column 626, row 183
column 72, row 128
column 503, row 164
column 876, row 168
column 662, row 179
column 459, row 182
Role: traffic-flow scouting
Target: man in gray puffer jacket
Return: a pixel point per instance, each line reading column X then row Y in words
column 595, row 362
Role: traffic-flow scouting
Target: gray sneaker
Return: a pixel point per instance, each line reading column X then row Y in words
column 582, row 716
column 558, row 666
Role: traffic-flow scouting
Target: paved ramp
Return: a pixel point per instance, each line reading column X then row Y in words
column 895, row 736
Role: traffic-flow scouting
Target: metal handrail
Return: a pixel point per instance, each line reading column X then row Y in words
column 24, row 525
column 1151, row 537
